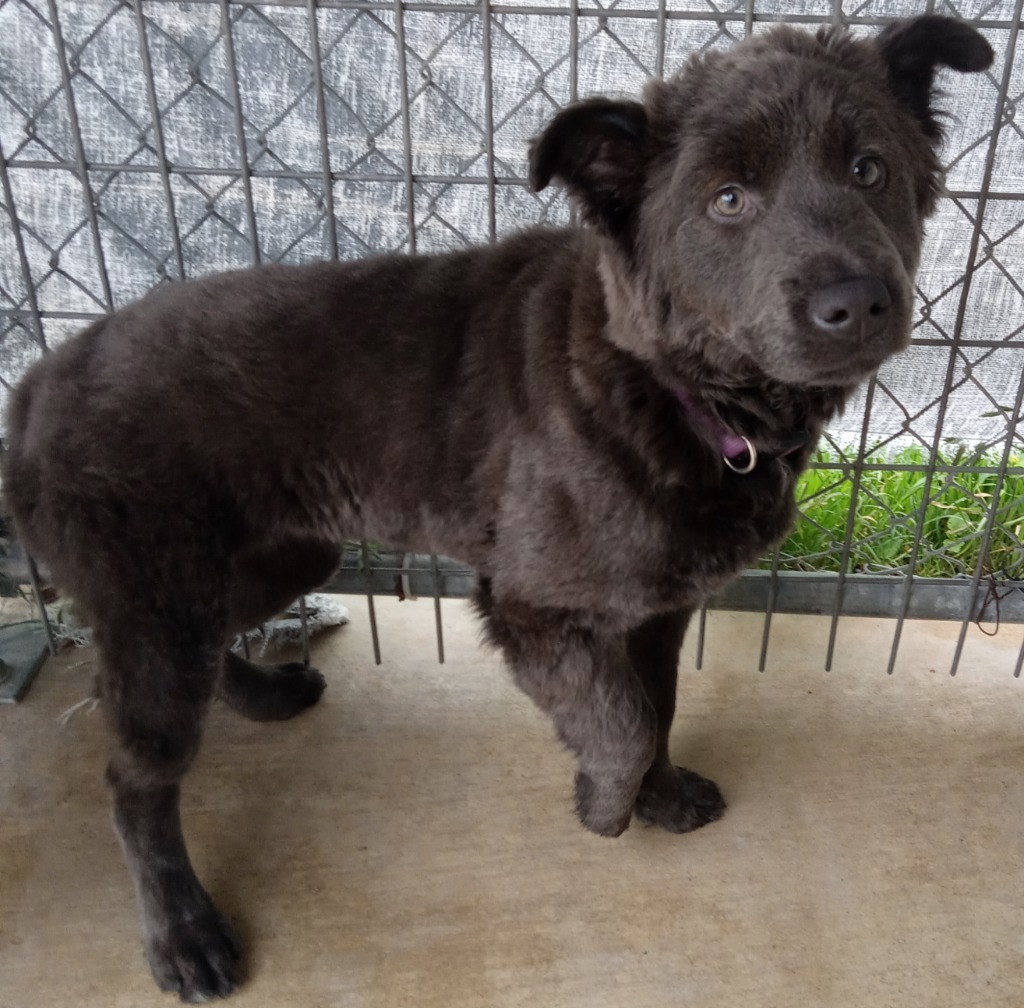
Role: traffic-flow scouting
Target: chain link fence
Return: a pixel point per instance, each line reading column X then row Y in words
column 144, row 141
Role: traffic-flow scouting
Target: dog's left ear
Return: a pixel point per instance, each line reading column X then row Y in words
column 914, row 48
column 596, row 148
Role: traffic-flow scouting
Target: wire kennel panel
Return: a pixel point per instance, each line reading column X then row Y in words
column 144, row 141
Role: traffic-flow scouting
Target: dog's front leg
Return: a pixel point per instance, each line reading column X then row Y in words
column 580, row 674
column 670, row 796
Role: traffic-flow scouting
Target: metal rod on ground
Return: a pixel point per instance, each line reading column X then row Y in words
column 304, row 630
column 701, row 627
column 769, row 610
column 369, row 601
column 37, row 591
column 437, row 607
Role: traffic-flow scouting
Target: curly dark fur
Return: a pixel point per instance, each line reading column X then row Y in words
column 187, row 466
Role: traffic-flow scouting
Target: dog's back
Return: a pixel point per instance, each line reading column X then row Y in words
column 274, row 394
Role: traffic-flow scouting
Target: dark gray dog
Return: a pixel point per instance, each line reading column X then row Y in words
column 605, row 422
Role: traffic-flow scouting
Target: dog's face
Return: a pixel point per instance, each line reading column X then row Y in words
column 766, row 205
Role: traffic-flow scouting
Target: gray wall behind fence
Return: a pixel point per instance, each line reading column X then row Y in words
column 422, row 145
column 145, row 141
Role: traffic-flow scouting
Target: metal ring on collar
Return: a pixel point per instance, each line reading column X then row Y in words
column 751, row 455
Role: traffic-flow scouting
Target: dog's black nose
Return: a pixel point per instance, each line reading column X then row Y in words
column 855, row 307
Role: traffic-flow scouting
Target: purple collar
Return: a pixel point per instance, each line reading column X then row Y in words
column 738, row 452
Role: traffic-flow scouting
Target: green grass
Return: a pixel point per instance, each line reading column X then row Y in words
column 888, row 509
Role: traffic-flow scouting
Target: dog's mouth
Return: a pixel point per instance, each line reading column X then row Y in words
column 840, row 333
column 826, row 370
column 846, row 373
column 802, row 358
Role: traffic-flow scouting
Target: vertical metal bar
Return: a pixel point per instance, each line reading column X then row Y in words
column 773, row 587
column 327, row 206
column 403, row 72
column 19, row 244
column 701, row 627
column 81, row 164
column 158, row 136
column 837, row 13
column 574, row 45
column 304, row 630
column 986, row 539
column 321, row 118
column 485, row 13
column 769, row 611
column 236, row 103
column 37, row 591
column 851, row 515
column 1020, row 662
column 574, row 77
column 972, row 257
column 659, row 55
column 437, row 607
column 245, row 645
column 369, row 602
column 769, row 608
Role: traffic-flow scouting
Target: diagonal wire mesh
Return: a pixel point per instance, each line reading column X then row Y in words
column 144, row 141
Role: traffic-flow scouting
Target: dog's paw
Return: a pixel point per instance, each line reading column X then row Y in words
column 297, row 686
column 197, row 958
column 604, row 810
column 270, row 692
column 678, row 800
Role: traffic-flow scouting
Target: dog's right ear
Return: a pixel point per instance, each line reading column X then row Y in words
column 915, row 48
column 596, row 148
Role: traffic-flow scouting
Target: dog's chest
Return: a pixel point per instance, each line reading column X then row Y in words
column 608, row 548
column 714, row 532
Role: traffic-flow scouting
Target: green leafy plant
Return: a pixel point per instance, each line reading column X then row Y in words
column 963, row 507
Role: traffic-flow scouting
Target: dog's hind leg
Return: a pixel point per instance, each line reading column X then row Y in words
column 677, row 799
column 580, row 675
column 264, row 582
column 160, row 652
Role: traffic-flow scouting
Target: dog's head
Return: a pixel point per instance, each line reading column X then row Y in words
column 765, row 206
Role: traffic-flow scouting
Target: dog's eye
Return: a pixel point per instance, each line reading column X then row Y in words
column 729, row 201
column 868, row 172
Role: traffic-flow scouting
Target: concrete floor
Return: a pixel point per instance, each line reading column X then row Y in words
column 410, row 842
